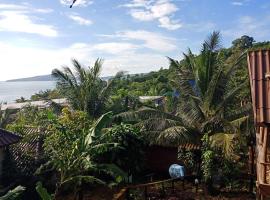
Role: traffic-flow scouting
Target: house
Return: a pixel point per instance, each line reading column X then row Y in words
column 6, row 138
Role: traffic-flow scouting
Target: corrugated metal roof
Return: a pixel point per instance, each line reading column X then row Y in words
column 8, row 138
column 144, row 99
column 189, row 146
column 259, row 72
column 40, row 104
column 259, row 75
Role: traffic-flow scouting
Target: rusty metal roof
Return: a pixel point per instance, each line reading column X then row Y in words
column 189, row 146
column 259, row 73
column 8, row 138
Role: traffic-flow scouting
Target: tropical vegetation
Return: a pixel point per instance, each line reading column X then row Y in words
column 103, row 139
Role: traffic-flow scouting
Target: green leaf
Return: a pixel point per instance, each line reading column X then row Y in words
column 13, row 194
column 43, row 193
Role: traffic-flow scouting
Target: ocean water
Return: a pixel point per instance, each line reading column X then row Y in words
column 10, row 91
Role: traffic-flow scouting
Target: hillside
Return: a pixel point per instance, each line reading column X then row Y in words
column 34, row 78
column 44, row 78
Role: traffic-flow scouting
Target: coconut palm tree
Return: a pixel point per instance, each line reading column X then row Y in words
column 204, row 82
column 84, row 88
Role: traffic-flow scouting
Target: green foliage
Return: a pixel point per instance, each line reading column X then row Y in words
column 208, row 156
column 13, row 194
column 84, row 88
column 43, row 193
column 243, row 42
column 32, row 124
column 66, row 147
column 46, row 95
column 72, row 146
column 129, row 155
column 187, row 157
column 208, row 165
column 130, row 87
column 5, row 117
column 21, row 100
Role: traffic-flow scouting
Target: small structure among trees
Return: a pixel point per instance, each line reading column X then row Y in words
column 6, row 138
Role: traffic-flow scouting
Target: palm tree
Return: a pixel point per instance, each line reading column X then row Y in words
column 84, row 88
column 204, row 82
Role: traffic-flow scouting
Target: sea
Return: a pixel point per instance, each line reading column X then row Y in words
column 10, row 91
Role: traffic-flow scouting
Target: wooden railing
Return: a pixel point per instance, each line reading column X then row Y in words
column 124, row 193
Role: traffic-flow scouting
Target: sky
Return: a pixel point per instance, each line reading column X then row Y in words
column 135, row 36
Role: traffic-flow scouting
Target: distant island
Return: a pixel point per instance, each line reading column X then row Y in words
column 45, row 78
column 34, row 78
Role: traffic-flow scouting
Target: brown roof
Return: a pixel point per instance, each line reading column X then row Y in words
column 8, row 138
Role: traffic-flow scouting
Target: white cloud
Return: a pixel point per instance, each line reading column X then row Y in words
column 240, row 2
column 247, row 25
column 11, row 6
column 31, row 61
column 142, row 15
column 16, row 21
column 237, row 3
column 80, row 20
column 82, row 3
column 165, row 22
column 163, row 8
column 149, row 10
column 20, row 18
column 150, row 40
column 115, row 48
column 26, row 8
column 43, row 10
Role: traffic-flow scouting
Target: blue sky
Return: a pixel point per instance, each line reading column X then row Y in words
column 131, row 35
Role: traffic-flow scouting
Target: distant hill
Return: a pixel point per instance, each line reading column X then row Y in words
column 45, row 78
column 34, row 78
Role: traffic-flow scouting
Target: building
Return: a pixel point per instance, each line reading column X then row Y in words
column 39, row 104
column 6, row 138
column 259, row 75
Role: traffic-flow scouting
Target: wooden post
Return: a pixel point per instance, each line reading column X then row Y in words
column 145, row 193
column 251, row 165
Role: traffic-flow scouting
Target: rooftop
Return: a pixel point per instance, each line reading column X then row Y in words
column 8, row 138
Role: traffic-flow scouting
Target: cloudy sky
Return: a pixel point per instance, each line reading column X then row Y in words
column 131, row 35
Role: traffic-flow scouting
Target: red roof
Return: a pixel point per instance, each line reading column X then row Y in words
column 8, row 138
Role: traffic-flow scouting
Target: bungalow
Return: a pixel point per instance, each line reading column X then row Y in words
column 6, row 138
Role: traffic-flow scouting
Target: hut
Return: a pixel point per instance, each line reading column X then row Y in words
column 259, row 73
column 6, row 138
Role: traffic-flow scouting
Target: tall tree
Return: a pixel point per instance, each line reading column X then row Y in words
column 205, row 91
column 84, row 88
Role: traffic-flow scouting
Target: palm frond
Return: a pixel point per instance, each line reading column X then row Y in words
column 97, row 68
column 177, row 135
column 80, row 71
column 157, row 124
column 80, row 179
column 13, row 194
column 225, row 142
column 238, row 122
column 210, row 92
column 190, row 112
column 213, row 41
column 228, row 96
